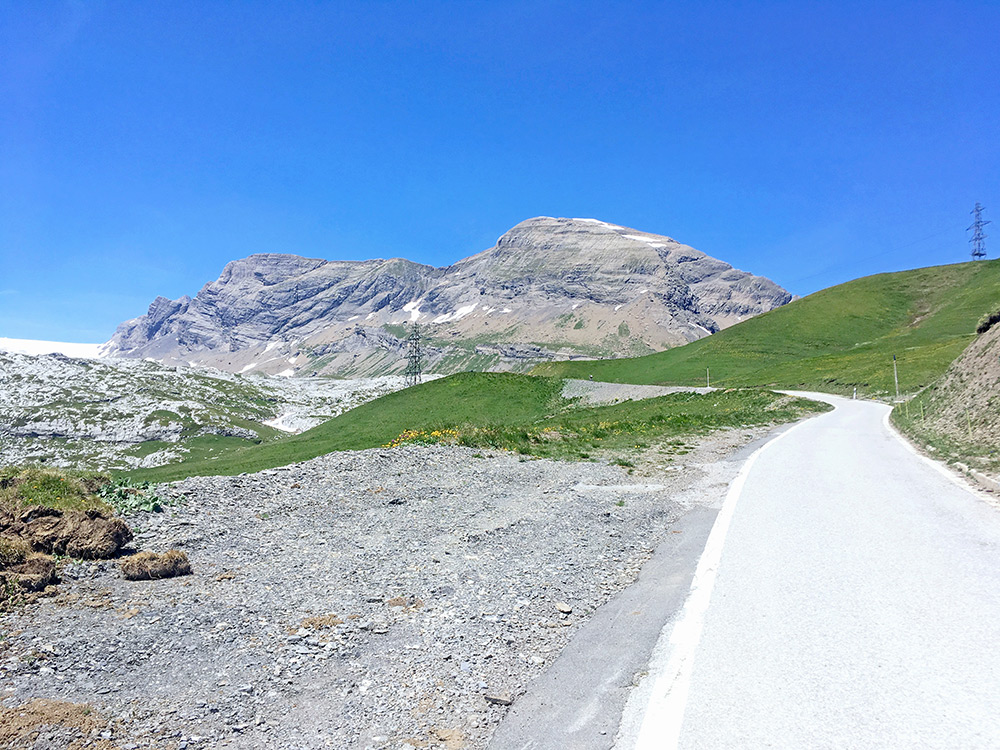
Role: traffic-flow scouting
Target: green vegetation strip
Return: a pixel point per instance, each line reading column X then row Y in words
column 24, row 487
column 504, row 411
column 834, row 340
column 908, row 419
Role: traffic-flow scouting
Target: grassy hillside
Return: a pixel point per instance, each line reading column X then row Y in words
column 833, row 340
column 499, row 410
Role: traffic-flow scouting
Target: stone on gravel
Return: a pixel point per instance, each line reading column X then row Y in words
column 499, row 700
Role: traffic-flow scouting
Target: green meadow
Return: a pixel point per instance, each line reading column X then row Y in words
column 499, row 411
column 835, row 340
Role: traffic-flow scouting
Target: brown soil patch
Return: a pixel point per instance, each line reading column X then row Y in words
column 452, row 739
column 100, row 600
column 449, row 739
column 322, row 622
column 89, row 534
column 21, row 725
column 34, row 573
column 147, row 566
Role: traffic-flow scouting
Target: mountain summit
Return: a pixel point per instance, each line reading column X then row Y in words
column 549, row 289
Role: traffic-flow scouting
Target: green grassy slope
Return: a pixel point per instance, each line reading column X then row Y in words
column 481, row 398
column 499, row 410
column 833, row 340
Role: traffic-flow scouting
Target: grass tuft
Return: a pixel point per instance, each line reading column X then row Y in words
column 146, row 566
column 13, row 551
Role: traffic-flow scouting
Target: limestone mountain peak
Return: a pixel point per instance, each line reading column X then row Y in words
column 549, row 288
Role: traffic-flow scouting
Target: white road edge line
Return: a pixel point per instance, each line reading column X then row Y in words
column 956, row 478
column 673, row 655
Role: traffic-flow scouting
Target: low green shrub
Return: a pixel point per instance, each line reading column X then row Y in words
column 988, row 320
column 127, row 496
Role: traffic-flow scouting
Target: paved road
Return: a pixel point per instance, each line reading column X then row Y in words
column 849, row 597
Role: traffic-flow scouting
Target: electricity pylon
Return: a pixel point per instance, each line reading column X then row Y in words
column 413, row 357
column 978, row 236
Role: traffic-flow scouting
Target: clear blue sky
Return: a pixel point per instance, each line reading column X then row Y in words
column 145, row 144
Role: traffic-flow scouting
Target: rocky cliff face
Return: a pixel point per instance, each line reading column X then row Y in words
column 550, row 288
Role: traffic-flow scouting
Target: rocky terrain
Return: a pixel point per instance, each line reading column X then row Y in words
column 549, row 288
column 378, row 599
column 116, row 413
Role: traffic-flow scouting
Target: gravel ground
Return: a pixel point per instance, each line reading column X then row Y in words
column 375, row 599
column 594, row 392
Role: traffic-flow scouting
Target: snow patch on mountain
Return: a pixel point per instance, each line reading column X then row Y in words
column 34, row 347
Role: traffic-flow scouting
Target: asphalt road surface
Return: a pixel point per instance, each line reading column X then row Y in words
column 848, row 597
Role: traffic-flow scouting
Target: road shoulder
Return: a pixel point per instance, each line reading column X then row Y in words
column 578, row 702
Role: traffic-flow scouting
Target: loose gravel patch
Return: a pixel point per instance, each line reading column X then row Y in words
column 376, row 599
column 594, row 393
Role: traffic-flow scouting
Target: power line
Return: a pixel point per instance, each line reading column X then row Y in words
column 978, row 239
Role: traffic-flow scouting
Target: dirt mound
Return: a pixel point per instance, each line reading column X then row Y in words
column 32, row 574
column 146, row 566
column 22, row 571
column 88, row 534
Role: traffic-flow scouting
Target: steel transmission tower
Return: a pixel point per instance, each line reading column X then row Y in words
column 413, row 364
column 978, row 236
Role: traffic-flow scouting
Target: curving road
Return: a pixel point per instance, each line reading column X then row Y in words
column 848, row 597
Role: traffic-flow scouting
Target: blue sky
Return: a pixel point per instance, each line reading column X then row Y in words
column 143, row 145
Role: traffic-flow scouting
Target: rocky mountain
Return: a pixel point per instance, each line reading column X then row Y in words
column 549, row 289
column 119, row 414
